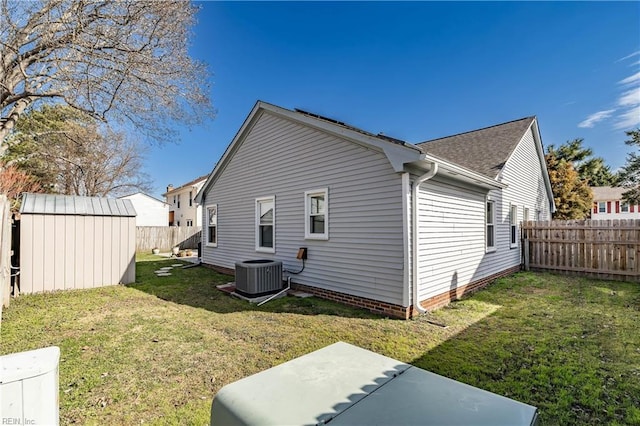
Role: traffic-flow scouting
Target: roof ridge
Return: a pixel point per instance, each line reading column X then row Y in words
column 347, row 126
column 532, row 117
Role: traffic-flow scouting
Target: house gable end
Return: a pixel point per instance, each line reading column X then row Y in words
column 398, row 154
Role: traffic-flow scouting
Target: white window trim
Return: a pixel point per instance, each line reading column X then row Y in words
column 490, row 249
column 257, row 225
column 604, row 203
column 208, row 243
column 624, row 204
column 525, row 214
column 307, row 214
column 513, row 222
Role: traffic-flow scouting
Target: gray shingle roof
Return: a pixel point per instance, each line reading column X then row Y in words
column 607, row 193
column 485, row 150
column 75, row 205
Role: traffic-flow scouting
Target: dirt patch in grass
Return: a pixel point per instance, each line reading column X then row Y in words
column 157, row 351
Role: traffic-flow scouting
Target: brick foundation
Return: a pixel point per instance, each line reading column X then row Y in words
column 375, row 306
column 457, row 293
column 389, row 309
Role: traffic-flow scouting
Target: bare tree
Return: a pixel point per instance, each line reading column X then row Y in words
column 69, row 152
column 125, row 60
column 14, row 182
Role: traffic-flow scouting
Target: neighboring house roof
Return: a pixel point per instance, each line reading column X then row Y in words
column 143, row 194
column 606, row 193
column 485, row 151
column 188, row 184
column 75, row 205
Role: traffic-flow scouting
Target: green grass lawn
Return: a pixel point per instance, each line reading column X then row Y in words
column 157, row 351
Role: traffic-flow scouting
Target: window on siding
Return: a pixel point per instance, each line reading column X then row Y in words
column 265, row 224
column 212, row 225
column 178, row 200
column 174, row 199
column 602, row 206
column 491, row 228
column 513, row 222
column 525, row 214
column 190, row 198
column 189, row 222
column 317, row 214
column 624, row 207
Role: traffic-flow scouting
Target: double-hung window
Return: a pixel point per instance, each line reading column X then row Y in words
column 212, row 225
column 265, row 224
column 513, row 226
column 316, row 214
column 190, row 198
column 602, row 206
column 624, row 207
column 490, row 218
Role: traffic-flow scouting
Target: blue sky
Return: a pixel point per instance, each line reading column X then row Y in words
column 416, row 71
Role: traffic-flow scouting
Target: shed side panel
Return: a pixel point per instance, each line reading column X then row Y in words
column 108, row 236
column 69, row 252
column 48, row 260
column 80, row 250
column 26, row 254
column 58, row 254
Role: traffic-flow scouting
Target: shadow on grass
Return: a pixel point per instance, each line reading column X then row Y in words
column 567, row 345
column 196, row 287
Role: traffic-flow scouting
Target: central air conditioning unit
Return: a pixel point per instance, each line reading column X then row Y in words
column 260, row 277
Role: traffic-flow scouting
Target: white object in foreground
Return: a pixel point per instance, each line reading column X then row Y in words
column 347, row 385
column 29, row 387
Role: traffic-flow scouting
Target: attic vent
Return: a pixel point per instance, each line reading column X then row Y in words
column 258, row 277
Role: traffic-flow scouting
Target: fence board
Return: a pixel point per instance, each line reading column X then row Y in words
column 166, row 237
column 5, row 252
column 603, row 248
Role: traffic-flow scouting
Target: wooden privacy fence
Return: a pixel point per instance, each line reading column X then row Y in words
column 5, row 252
column 166, row 237
column 607, row 249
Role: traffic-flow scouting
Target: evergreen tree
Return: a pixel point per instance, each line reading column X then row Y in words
column 572, row 196
column 630, row 174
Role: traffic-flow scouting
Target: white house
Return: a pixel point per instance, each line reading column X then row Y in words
column 390, row 226
column 184, row 210
column 608, row 204
column 150, row 211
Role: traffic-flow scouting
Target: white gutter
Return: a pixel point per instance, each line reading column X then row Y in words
column 415, row 190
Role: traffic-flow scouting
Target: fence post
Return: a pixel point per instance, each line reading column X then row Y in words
column 526, row 253
column 5, row 251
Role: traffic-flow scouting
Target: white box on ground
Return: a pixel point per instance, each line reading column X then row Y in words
column 29, row 387
column 347, row 385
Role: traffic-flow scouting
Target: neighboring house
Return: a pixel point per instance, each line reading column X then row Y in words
column 151, row 211
column 183, row 208
column 390, row 226
column 608, row 204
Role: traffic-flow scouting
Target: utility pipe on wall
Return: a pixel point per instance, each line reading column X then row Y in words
column 415, row 190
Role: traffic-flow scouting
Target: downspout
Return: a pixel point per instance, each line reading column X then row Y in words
column 415, row 190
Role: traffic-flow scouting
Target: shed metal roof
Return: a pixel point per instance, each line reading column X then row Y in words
column 75, row 205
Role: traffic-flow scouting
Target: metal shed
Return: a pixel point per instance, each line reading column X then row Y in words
column 72, row 242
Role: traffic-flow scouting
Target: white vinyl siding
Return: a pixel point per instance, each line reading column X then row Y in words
column 265, row 224
column 316, row 214
column 364, row 254
column 452, row 223
column 451, row 236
